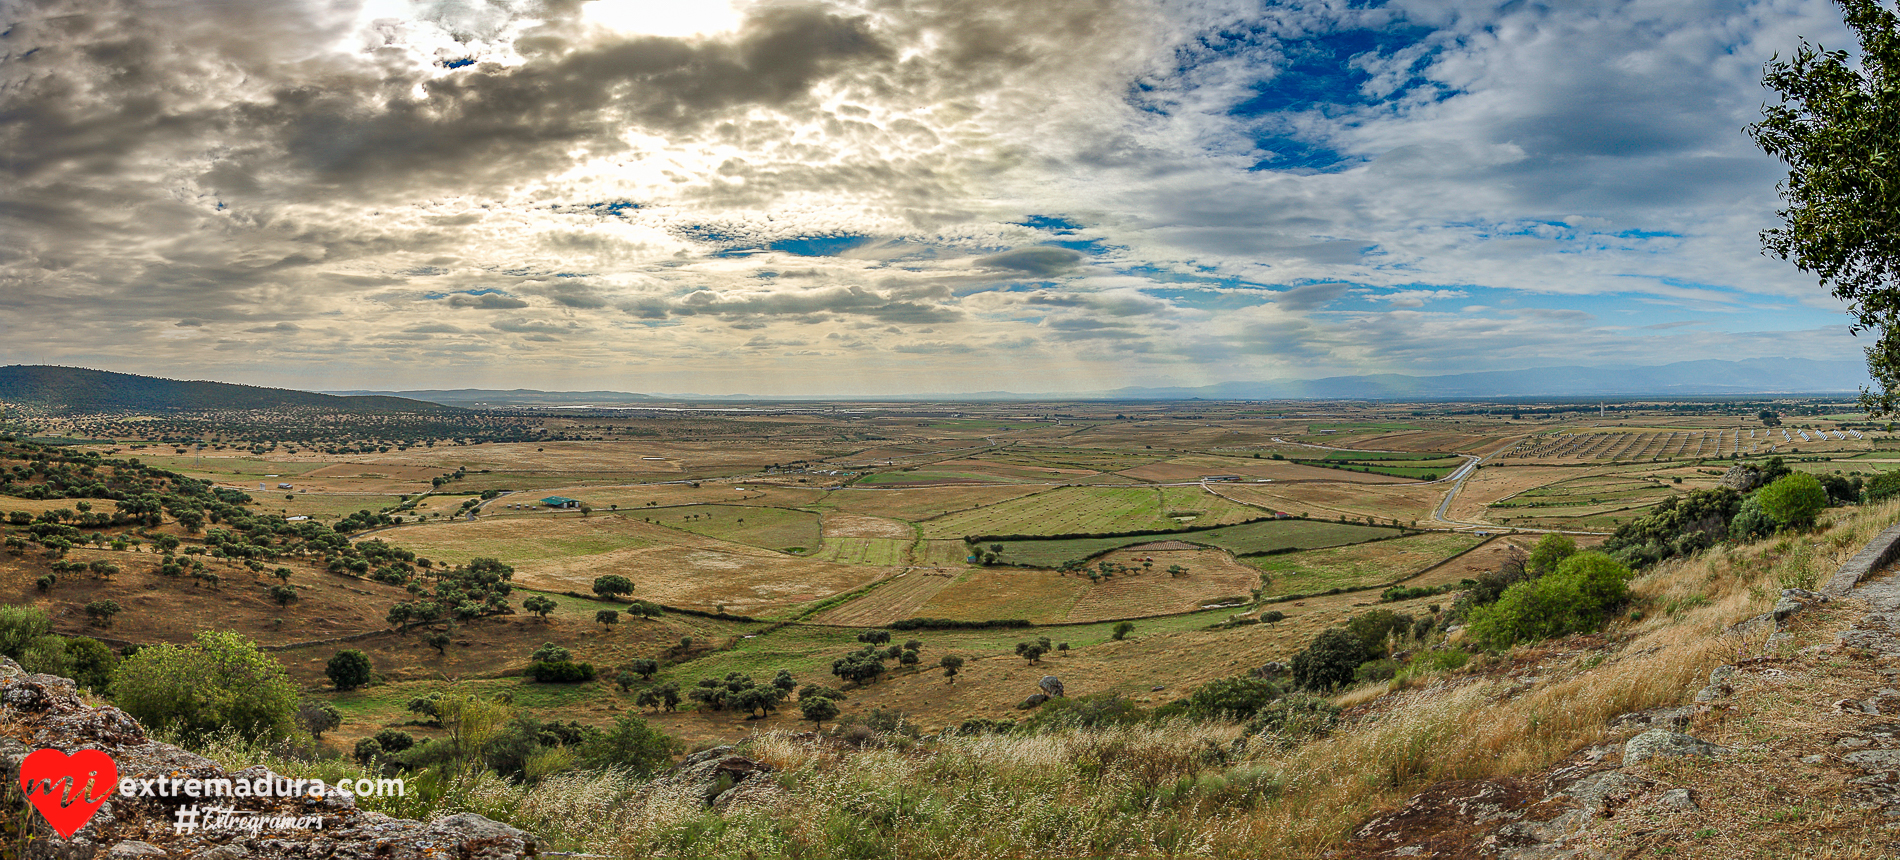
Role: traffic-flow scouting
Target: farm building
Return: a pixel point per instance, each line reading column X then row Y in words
column 561, row 502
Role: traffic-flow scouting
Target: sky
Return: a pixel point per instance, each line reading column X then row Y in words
column 891, row 197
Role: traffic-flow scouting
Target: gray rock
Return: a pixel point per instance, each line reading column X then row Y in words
column 1722, row 674
column 1662, row 743
column 1271, row 671
column 132, row 848
column 1817, row 758
column 1741, row 478
column 1711, row 693
column 1031, row 702
column 1786, row 607
column 1676, row 800
column 1052, row 685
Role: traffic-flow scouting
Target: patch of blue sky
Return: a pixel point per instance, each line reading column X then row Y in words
column 1320, row 73
column 458, row 63
column 818, row 246
column 481, row 292
column 1052, row 223
column 1293, row 154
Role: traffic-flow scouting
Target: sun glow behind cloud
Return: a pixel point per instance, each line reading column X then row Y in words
column 676, row 19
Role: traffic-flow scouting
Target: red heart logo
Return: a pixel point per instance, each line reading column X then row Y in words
column 71, row 788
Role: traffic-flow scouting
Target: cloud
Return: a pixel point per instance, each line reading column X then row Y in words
column 486, row 301
column 1240, row 191
column 1035, row 262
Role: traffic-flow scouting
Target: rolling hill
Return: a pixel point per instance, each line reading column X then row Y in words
column 78, row 390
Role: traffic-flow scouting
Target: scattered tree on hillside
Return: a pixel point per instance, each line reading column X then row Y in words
column 819, row 710
column 612, row 585
column 607, row 617
column 952, row 664
column 1122, row 629
column 283, row 595
column 1795, row 501
column 540, row 605
column 1033, row 651
column 221, row 680
column 101, row 612
column 349, row 670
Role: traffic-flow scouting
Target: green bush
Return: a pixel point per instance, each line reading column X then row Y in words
column 20, row 625
column 1329, row 661
column 1884, row 486
column 1375, row 670
column 1751, row 521
column 632, row 744
column 1550, row 551
column 560, row 671
column 1375, row 627
column 220, row 680
column 1584, row 590
column 349, row 669
column 1084, row 712
column 1237, row 698
column 1294, row 719
column 1794, row 501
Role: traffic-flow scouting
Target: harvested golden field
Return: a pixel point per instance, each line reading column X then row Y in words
column 632, row 498
column 860, row 526
column 901, row 597
column 1385, row 502
column 915, row 504
column 1492, row 482
column 1213, row 577
column 520, row 541
column 990, row 593
column 1193, row 468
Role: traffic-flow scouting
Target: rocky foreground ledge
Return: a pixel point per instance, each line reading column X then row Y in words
column 45, row 712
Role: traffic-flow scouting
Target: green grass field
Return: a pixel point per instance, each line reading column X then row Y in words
column 1240, row 540
column 771, row 528
column 514, row 540
column 880, row 552
column 1090, row 509
column 1359, row 565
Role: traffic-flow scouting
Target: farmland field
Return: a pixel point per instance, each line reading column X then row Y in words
column 1359, row 565
column 517, row 541
column 1087, row 509
column 921, row 503
column 896, row 599
column 770, row 528
column 1242, row 539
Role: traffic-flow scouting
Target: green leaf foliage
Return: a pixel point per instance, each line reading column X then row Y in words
column 1835, row 129
column 1577, row 597
column 220, row 680
column 1794, row 501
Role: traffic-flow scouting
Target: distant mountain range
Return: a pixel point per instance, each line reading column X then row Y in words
column 515, row 397
column 1683, row 378
column 77, row 390
column 1710, row 377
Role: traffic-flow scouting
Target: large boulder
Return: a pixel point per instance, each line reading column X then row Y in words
column 1662, row 743
column 45, row 712
column 716, row 777
column 1052, row 685
column 1742, row 478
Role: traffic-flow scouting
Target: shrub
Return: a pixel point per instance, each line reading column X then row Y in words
column 1677, row 526
column 560, row 671
column 220, row 680
column 818, row 709
column 1577, row 597
column 1375, row 627
column 1122, row 630
column 1884, row 486
column 1237, row 698
column 1329, row 661
column 1550, row 551
column 612, row 585
column 1375, row 670
column 1294, row 719
column 349, row 669
column 550, row 653
column 632, row 744
column 20, row 625
column 1794, row 501
column 1084, row 712
column 1751, row 521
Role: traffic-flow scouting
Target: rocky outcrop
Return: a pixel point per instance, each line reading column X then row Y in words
column 1052, row 685
column 718, row 778
column 1741, row 478
column 45, row 712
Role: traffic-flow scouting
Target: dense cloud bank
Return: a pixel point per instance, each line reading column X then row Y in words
column 889, row 196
